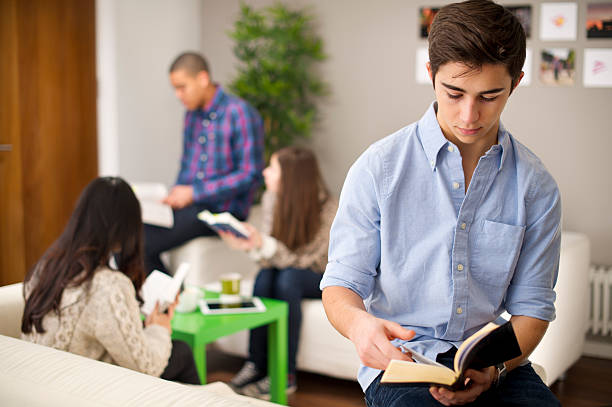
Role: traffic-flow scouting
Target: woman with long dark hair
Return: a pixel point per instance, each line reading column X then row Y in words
column 77, row 302
column 292, row 251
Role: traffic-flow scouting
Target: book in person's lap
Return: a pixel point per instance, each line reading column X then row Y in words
column 224, row 221
column 150, row 196
column 491, row 345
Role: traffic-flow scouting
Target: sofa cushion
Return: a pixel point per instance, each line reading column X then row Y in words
column 34, row 375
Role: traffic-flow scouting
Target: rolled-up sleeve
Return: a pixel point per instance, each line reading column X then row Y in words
column 354, row 248
column 531, row 292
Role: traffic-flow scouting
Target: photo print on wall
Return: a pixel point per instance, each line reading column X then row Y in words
column 526, row 81
column 599, row 20
column 426, row 16
column 558, row 21
column 523, row 13
column 422, row 58
column 597, row 72
column 557, row 67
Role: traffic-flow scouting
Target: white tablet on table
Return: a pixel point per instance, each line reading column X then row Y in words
column 217, row 306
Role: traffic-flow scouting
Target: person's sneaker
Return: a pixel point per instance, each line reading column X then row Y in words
column 261, row 388
column 248, row 374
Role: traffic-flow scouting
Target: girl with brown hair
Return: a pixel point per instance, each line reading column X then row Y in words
column 77, row 302
column 291, row 248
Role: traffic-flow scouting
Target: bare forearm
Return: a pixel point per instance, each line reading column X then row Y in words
column 342, row 306
column 529, row 332
column 371, row 336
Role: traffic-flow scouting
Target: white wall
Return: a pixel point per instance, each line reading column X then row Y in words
column 370, row 69
column 139, row 119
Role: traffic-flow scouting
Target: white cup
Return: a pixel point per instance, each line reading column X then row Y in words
column 188, row 299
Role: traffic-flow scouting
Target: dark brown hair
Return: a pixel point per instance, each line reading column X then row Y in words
column 106, row 219
column 477, row 32
column 192, row 62
column 302, row 192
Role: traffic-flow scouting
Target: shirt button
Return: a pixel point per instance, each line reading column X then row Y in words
column 202, row 139
column 463, row 225
column 203, row 157
column 455, row 185
column 205, row 122
column 432, row 163
column 213, row 115
column 459, row 310
column 460, row 267
column 451, row 148
column 200, row 175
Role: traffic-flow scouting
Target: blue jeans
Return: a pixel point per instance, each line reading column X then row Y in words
column 290, row 285
column 521, row 387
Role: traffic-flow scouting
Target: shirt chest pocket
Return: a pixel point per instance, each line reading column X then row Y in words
column 495, row 253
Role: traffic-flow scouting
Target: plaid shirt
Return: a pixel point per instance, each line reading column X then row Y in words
column 223, row 154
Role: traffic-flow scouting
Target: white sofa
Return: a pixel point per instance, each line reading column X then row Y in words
column 34, row 375
column 323, row 350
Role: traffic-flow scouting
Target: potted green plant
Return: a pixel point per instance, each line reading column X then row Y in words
column 277, row 49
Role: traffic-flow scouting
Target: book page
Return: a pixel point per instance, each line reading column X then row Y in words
column 160, row 287
column 418, row 357
column 401, row 371
column 153, row 290
column 224, row 221
column 150, row 196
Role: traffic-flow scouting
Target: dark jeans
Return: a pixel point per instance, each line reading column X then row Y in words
column 159, row 239
column 521, row 387
column 289, row 285
column 181, row 366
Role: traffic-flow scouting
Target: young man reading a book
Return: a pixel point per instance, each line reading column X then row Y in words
column 222, row 158
column 448, row 223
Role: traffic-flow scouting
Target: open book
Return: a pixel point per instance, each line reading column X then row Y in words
column 154, row 212
column 160, row 287
column 489, row 346
column 224, row 221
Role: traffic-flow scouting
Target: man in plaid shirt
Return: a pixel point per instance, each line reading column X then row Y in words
column 222, row 158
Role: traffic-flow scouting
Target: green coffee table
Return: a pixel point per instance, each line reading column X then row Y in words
column 198, row 330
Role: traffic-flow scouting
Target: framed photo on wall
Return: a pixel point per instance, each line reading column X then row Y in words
column 597, row 72
column 426, row 16
column 558, row 21
column 557, row 66
column 599, row 20
column 523, row 13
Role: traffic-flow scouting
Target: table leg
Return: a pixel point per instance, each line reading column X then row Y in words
column 277, row 359
column 199, row 354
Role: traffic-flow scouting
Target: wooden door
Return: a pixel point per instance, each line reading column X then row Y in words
column 48, row 117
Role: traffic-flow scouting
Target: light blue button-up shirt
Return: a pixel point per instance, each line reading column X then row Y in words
column 422, row 252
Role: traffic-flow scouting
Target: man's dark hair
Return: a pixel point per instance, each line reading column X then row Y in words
column 192, row 62
column 477, row 32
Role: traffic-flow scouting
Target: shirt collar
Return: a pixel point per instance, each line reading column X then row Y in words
column 216, row 102
column 433, row 139
column 431, row 135
column 503, row 141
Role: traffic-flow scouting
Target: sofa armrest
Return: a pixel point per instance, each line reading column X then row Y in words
column 11, row 304
column 563, row 342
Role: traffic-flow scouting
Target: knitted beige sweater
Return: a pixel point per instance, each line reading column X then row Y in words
column 101, row 320
column 312, row 256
